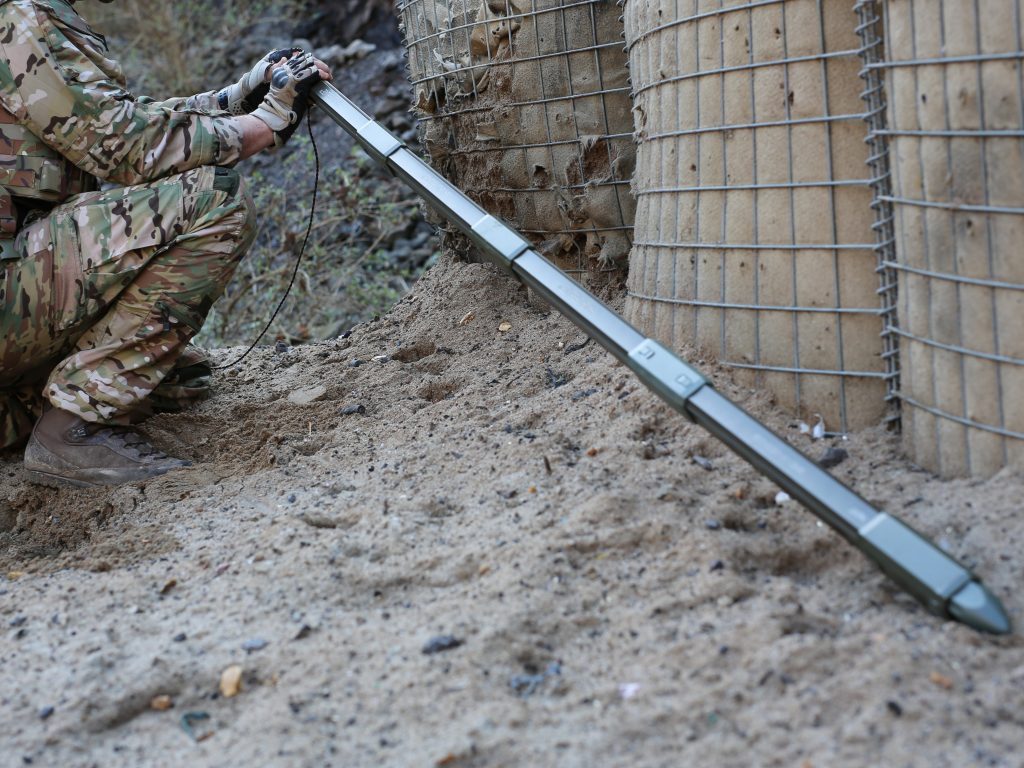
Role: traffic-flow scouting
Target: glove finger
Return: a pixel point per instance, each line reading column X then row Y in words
column 282, row 53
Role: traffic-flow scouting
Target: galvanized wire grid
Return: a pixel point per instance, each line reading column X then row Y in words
column 871, row 33
column 688, row 12
column 436, row 37
column 957, row 231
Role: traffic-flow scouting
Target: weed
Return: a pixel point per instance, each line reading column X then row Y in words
column 358, row 262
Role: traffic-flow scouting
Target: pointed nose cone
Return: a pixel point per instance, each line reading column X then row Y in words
column 976, row 607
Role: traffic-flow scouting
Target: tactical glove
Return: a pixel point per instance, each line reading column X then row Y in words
column 247, row 94
column 288, row 99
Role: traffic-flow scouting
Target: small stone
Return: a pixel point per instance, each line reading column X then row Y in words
column 308, row 395
column 941, row 680
column 628, row 691
column 319, row 521
column 291, row 498
column 833, row 458
column 381, row 359
column 505, row 327
column 717, row 565
column 181, row 637
column 440, row 644
column 781, row 498
column 703, row 463
column 18, row 621
column 352, row 410
column 231, row 681
column 894, row 707
column 46, row 712
column 712, row 525
column 281, row 347
column 161, row 703
column 254, row 644
column 356, row 362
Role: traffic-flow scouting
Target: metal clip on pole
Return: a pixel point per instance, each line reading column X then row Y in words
column 940, row 583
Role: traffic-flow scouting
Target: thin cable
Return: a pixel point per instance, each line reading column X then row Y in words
column 298, row 261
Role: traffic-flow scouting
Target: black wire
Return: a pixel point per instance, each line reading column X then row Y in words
column 302, row 251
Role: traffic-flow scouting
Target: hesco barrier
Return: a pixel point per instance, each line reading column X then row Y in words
column 525, row 105
column 754, row 223
column 955, row 129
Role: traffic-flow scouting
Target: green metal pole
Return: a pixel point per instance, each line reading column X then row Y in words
column 940, row 583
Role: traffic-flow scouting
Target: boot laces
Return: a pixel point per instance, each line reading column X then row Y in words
column 130, row 439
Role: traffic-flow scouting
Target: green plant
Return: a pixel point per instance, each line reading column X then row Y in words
column 172, row 49
column 349, row 272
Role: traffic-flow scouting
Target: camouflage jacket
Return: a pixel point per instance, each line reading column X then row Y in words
column 57, row 81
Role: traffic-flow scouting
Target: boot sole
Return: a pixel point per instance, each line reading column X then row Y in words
column 57, row 481
column 54, row 480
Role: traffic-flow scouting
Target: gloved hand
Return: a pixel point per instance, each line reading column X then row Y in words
column 288, row 99
column 247, row 94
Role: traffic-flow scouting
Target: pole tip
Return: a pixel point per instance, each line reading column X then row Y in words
column 976, row 607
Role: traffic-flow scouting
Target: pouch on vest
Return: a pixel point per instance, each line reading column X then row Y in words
column 30, row 169
column 8, row 226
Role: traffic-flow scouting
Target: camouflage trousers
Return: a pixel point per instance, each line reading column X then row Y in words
column 105, row 292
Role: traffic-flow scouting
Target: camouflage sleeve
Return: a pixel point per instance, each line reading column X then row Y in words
column 206, row 103
column 56, row 79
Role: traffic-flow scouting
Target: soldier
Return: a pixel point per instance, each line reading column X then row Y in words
column 102, row 290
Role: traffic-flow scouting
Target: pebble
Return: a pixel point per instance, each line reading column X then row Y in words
column 440, row 644
column 703, row 463
column 712, row 525
column 356, row 362
column 833, row 458
column 308, row 395
column 718, row 565
column 381, row 359
column 254, row 644
column 181, row 637
column 894, row 707
column 45, row 712
column 281, row 347
column 351, row 410
column 231, row 681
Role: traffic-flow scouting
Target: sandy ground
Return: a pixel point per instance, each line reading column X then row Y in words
column 509, row 554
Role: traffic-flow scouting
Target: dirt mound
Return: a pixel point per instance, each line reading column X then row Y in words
column 436, row 542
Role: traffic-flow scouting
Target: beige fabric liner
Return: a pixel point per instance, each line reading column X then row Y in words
column 796, row 153
column 963, row 170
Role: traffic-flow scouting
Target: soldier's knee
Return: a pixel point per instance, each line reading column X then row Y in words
column 238, row 206
column 248, row 233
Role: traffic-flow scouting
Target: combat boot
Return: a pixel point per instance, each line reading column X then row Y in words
column 65, row 450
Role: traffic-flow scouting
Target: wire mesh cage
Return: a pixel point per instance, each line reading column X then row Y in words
column 754, row 223
column 955, row 132
column 525, row 105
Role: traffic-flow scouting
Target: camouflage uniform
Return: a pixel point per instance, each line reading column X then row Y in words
column 105, row 290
